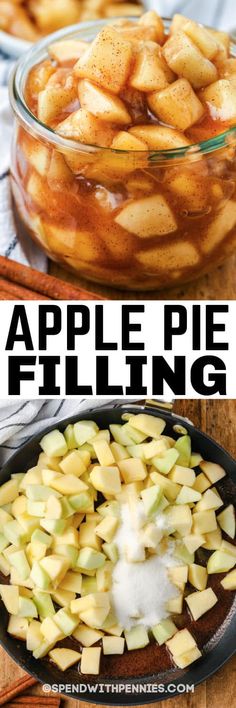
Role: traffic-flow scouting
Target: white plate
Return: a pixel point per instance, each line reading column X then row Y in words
column 14, row 46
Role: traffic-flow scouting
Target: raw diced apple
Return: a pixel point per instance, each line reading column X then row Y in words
column 73, row 464
column 65, row 621
column 121, row 435
column 193, row 541
column 87, row 636
column 183, row 445
column 72, row 582
column 204, row 521
column 107, row 61
column 170, row 489
column 187, row 496
column 185, row 59
column 164, row 464
column 35, row 551
column 229, row 582
column 113, row 645
column 220, row 562
column 109, row 508
column 36, row 508
column 201, row 483
column 182, row 475
column 39, row 536
column 103, row 452
column 87, row 536
column 10, row 598
column 64, row 658
column 151, row 536
column 106, row 479
column 5, row 517
column 85, row 430
column 164, row 630
column 159, row 137
column 39, row 576
column 187, row 658
column 179, row 518
column 69, row 484
column 42, row 650
column 54, row 444
column 48, row 463
column 27, row 608
column 33, row 635
column 213, row 471
column 14, row 532
column 56, row 567
column 89, row 559
column 197, row 576
column 226, row 520
column 213, row 540
column 195, row 460
column 200, row 602
column 147, row 217
column 183, row 554
column 33, row 476
column 181, row 642
column 151, row 498
column 51, row 631
column 111, row 551
column 177, row 105
column 220, row 98
column 18, row 627
column 18, row 506
column 8, row 491
column 119, row 452
column 103, row 577
column 107, row 528
column 19, row 561
column 90, row 660
column 210, row 500
column 70, row 437
column 53, row 526
column 175, row 605
column 94, row 617
column 136, row 637
column 132, row 470
column 44, row 604
column 63, row 597
column 5, row 568
column 48, row 476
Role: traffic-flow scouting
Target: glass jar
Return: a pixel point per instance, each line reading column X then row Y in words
column 137, row 220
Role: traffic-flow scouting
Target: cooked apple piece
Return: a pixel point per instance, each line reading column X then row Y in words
column 220, row 562
column 83, row 126
column 164, row 630
column 182, row 475
column 181, row 642
column 177, row 105
column 185, row 59
column 226, row 520
column 213, row 471
column 175, row 605
column 136, row 638
column 204, row 521
column 152, row 19
column 220, row 226
column 200, row 602
column 197, row 576
column 201, row 483
column 150, row 73
column 58, row 171
column 179, row 518
column 178, row 23
column 67, row 50
column 223, row 40
column 37, row 154
column 52, row 100
column 90, row 660
column 125, row 141
column 190, row 187
column 132, row 470
column 229, row 582
column 102, row 104
column 220, row 98
column 150, row 216
column 181, row 255
column 158, row 137
column 204, row 40
column 193, row 541
column 106, row 479
column 213, row 540
column 170, row 489
column 51, row 631
column 8, row 492
column 107, row 61
column 107, row 528
column 187, row 658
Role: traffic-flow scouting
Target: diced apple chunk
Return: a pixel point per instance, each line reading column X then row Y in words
column 51, row 631
column 177, row 105
column 103, row 452
column 150, row 216
column 64, row 658
column 229, row 581
column 197, row 576
column 187, row 495
column 102, row 104
column 151, row 73
column 187, row 658
column 204, row 40
column 90, row 660
column 67, row 50
column 185, row 59
column 132, row 470
column 106, row 479
column 170, row 489
column 10, row 598
column 107, row 527
column 68, row 485
column 18, row 627
column 136, row 638
column 220, row 562
column 152, row 19
column 175, row 605
column 87, row 636
column 83, row 126
column 84, row 431
column 8, row 492
column 200, row 602
column 182, row 254
column 89, row 559
column 125, row 141
column 107, row 61
column 181, row 642
column 213, row 540
column 54, row 444
column 182, row 475
column 226, row 520
column 159, row 137
column 52, row 100
column 164, row 630
column 56, row 567
column 201, row 483
column 179, row 518
column 220, row 98
column 204, row 521
column 113, row 645
column 213, row 471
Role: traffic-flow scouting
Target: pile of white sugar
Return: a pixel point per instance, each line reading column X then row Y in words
column 140, row 590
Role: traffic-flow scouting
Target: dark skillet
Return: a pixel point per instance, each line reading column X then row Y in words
column 215, row 632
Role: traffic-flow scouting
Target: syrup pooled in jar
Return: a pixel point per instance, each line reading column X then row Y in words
column 137, row 200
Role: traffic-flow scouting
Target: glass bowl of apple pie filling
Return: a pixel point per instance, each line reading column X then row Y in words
column 123, row 165
column 117, row 555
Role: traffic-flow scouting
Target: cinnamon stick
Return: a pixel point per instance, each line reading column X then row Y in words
column 47, row 700
column 18, row 292
column 16, row 688
column 41, row 283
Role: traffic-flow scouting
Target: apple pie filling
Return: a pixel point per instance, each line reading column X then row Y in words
column 135, row 184
column 111, row 543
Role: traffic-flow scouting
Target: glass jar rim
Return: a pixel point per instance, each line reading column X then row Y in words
column 37, row 53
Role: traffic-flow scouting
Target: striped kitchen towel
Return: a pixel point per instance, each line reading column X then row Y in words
column 21, row 419
column 23, row 251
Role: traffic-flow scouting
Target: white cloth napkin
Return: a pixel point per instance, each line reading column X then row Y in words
column 19, row 420
column 23, row 251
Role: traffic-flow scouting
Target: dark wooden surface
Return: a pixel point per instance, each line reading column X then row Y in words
column 218, row 419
